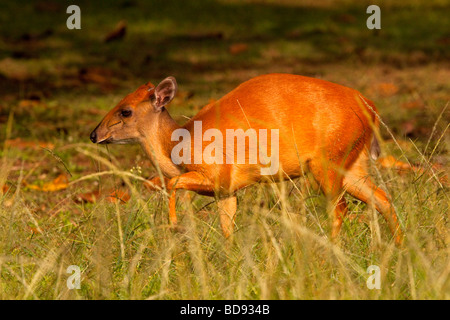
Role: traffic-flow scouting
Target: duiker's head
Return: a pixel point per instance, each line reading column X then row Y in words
column 123, row 123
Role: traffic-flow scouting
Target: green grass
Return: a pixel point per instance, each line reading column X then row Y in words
column 281, row 248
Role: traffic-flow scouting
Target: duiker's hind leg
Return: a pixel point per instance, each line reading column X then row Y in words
column 359, row 184
column 330, row 181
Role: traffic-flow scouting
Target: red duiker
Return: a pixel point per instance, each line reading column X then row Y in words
column 320, row 127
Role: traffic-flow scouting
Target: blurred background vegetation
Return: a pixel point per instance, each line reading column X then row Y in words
column 210, row 47
column 56, row 85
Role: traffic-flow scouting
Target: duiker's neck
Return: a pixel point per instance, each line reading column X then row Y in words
column 157, row 142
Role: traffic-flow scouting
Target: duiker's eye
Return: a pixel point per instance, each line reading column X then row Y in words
column 125, row 113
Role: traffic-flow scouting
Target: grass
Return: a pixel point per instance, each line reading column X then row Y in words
column 55, row 88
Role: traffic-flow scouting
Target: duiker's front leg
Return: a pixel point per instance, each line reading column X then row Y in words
column 195, row 181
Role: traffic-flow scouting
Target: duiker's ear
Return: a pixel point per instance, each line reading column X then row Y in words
column 164, row 92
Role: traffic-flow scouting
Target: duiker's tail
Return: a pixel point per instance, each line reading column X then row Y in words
column 375, row 150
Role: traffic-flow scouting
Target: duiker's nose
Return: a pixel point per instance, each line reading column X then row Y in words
column 93, row 136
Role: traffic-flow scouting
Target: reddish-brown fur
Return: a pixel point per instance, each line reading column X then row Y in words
column 324, row 128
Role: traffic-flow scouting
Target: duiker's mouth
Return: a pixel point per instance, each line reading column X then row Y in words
column 105, row 141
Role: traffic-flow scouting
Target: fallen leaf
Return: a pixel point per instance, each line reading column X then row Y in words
column 118, row 195
column 60, row 183
column 113, row 196
column 118, row 32
column 238, row 48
